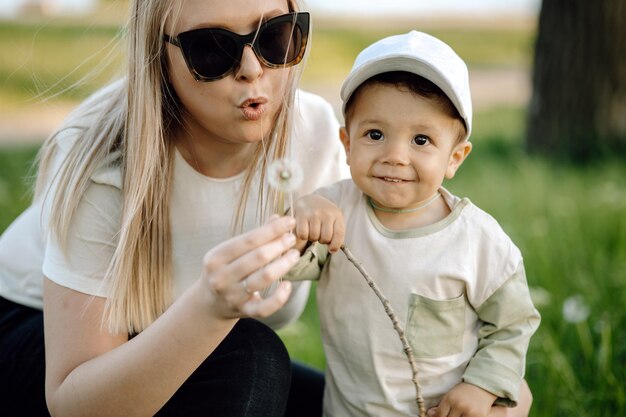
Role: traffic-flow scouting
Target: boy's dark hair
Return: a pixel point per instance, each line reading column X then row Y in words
column 415, row 84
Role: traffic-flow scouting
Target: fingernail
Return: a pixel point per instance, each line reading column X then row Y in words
column 293, row 255
column 289, row 239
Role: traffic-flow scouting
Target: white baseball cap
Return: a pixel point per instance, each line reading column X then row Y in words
column 420, row 54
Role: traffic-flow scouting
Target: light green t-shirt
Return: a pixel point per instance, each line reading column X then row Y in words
column 458, row 288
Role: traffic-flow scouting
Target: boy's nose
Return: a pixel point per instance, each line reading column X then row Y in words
column 395, row 153
column 250, row 68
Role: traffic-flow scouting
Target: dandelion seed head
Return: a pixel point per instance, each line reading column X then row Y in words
column 285, row 175
column 575, row 309
column 602, row 325
column 540, row 296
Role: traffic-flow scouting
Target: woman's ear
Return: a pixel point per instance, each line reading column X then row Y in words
column 458, row 155
column 345, row 140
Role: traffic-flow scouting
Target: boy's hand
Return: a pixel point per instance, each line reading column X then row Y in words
column 464, row 400
column 318, row 220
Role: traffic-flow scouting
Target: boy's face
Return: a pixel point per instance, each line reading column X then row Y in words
column 400, row 146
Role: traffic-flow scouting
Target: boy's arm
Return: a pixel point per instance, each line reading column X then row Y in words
column 510, row 319
column 320, row 230
column 309, row 267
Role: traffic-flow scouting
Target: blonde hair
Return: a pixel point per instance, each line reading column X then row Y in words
column 135, row 121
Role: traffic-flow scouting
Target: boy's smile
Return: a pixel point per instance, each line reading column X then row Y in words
column 400, row 145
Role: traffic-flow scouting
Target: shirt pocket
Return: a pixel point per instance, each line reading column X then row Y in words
column 435, row 328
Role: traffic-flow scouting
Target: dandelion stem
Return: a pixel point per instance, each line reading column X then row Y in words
column 605, row 351
column 291, row 207
column 408, row 351
column 584, row 335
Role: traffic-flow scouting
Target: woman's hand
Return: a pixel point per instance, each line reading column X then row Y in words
column 237, row 270
column 107, row 375
column 318, row 220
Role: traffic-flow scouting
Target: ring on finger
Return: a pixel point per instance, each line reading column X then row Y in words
column 244, row 283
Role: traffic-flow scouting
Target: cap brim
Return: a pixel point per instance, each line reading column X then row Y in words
column 399, row 63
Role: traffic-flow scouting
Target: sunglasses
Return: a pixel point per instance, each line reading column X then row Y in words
column 213, row 53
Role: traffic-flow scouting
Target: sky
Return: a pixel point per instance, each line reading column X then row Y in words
column 424, row 6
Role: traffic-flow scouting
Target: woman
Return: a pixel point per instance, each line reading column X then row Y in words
column 137, row 196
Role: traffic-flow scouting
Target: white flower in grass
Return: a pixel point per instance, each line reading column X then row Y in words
column 540, row 296
column 285, row 175
column 575, row 309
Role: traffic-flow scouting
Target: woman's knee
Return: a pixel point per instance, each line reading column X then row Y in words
column 247, row 375
column 22, row 360
column 262, row 337
column 264, row 348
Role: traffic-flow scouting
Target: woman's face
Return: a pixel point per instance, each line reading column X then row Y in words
column 241, row 107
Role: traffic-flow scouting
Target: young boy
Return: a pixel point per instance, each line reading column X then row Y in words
column 453, row 277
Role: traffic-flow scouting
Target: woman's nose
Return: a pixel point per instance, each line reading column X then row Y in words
column 250, row 68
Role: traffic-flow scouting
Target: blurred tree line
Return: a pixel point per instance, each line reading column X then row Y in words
column 578, row 107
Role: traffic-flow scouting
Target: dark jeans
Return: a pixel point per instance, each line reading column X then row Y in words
column 249, row 374
column 22, row 361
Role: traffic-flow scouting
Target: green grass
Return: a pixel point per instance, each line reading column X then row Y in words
column 15, row 181
column 333, row 50
column 52, row 57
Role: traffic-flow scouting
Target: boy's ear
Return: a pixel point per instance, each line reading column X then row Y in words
column 458, row 155
column 345, row 140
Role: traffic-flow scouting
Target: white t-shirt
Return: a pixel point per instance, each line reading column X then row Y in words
column 201, row 213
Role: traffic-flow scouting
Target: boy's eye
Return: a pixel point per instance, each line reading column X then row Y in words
column 421, row 140
column 375, row 135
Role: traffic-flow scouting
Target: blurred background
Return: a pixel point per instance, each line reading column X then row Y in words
column 548, row 83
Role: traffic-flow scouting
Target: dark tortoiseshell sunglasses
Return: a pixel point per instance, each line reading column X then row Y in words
column 213, row 53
